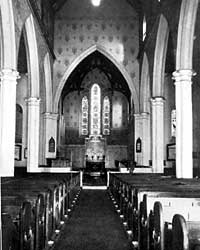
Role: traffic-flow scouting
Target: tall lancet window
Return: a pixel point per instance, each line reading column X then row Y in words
column 95, row 109
column 85, row 115
column 106, row 116
column 144, row 28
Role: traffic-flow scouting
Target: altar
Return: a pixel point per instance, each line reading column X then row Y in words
column 94, row 169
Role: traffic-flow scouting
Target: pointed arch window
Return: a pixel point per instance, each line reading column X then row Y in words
column 84, row 115
column 95, row 109
column 144, row 28
column 106, row 116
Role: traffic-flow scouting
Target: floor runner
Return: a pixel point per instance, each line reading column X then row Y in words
column 94, row 225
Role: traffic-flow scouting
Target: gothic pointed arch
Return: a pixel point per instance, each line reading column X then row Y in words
column 186, row 34
column 79, row 59
column 48, row 83
column 32, row 55
column 160, row 57
column 8, row 52
column 145, row 86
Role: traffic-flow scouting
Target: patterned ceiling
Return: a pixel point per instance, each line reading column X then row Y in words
column 57, row 4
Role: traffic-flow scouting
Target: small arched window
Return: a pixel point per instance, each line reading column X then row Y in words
column 144, row 28
column 85, row 115
column 95, row 109
column 19, row 124
column 106, row 116
column 173, row 123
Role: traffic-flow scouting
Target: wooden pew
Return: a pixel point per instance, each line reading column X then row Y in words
column 185, row 234
column 154, row 189
column 54, row 201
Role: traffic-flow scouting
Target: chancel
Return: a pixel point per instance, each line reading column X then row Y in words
column 99, row 124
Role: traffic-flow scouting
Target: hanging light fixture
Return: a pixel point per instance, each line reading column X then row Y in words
column 96, row 3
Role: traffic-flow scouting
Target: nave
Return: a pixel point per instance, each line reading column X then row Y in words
column 136, row 211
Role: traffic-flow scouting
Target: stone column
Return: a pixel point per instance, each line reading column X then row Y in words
column 50, row 121
column 145, row 121
column 7, row 120
column 33, row 133
column 157, row 134
column 184, row 143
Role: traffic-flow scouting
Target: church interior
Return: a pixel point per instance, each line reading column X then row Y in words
column 99, row 125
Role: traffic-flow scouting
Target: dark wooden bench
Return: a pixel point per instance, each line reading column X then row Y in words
column 137, row 203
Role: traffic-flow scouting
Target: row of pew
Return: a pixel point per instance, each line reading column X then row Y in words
column 35, row 208
column 158, row 212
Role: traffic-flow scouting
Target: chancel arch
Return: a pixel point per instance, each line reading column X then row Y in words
column 95, row 103
column 80, row 58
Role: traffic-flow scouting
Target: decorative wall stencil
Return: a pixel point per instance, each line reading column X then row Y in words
column 74, row 50
column 124, row 39
column 125, row 62
column 110, row 38
column 132, row 74
column 66, row 62
column 60, row 51
column 80, row 34
column 118, row 27
column 81, row 38
column 96, row 38
column 103, row 26
column 67, row 38
column 74, row 26
column 89, row 26
column 59, row 75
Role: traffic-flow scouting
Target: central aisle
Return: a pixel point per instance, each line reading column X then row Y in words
column 94, row 225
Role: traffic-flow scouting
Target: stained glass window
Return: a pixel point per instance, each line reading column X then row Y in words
column 117, row 113
column 95, row 109
column 106, row 116
column 85, row 115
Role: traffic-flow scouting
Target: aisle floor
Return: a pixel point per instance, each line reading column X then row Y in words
column 94, row 225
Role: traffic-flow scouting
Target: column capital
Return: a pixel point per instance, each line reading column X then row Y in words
column 183, row 75
column 49, row 115
column 33, row 101
column 9, row 74
column 137, row 116
column 157, row 100
column 144, row 115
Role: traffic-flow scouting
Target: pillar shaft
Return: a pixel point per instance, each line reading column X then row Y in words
column 157, row 134
column 184, row 143
column 145, row 119
column 33, row 133
column 7, row 120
